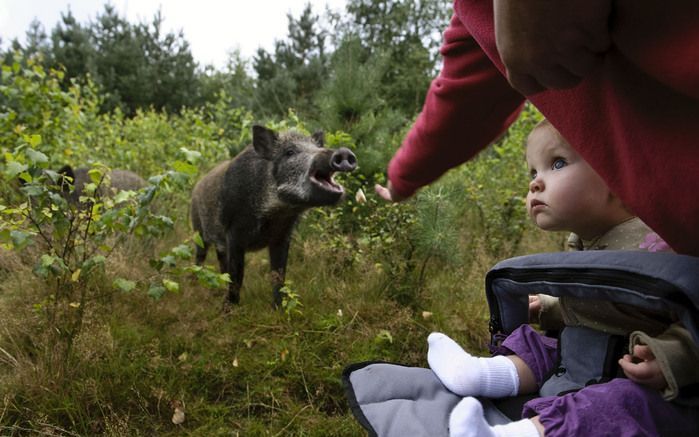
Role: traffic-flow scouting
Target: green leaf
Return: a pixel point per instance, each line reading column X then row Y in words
column 53, row 175
column 183, row 251
column 26, row 177
column 156, row 180
column 93, row 261
column 32, row 190
column 192, row 156
column 156, row 291
column 50, row 264
column 95, row 175
column 124, row 284
column 185, row 167
column 13, row 168
column 5, row 235
column 171, row 286
column 89, row 189
column 198, row 240
column 20, row 239
column 46, row 260
column 123, row 196
column 33, row 140
column 383, row 336
column 36, row 157
column 208, row 277
column 169, row 260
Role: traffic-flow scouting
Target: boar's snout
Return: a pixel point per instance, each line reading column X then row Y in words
column 343, row 160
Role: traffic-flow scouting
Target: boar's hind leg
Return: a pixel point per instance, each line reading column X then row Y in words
column 200, row 253
column 222, row 260
column 235, row 260
column 278, row 255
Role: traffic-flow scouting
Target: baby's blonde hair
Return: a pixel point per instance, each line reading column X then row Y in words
column 547, row 124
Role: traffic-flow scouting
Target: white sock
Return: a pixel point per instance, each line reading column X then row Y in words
column 466, row 375
column 467, row 420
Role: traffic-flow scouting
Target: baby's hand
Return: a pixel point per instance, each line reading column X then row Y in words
column 534, row 308
column 643, row 368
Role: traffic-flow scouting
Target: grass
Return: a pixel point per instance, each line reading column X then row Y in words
column 251, row 371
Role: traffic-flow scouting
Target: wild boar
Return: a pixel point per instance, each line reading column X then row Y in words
column 120, row 180
column 255, row 200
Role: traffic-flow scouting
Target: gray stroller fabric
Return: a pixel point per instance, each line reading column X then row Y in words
column 391, row 400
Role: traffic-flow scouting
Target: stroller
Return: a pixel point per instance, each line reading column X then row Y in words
column 392, row 400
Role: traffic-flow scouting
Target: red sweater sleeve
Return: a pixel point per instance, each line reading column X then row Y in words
column 467, row 106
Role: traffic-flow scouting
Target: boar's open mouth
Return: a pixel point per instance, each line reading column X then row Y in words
column 324, row 179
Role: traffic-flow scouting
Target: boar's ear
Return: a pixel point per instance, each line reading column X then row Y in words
column 264, row 141
column 66, row 172
column 319, row 137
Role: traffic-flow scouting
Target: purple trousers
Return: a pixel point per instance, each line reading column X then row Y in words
column 619, row 408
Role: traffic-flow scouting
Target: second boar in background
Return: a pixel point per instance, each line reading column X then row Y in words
column 117, row 180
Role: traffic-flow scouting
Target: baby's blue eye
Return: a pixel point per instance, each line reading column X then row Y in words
column 559, row 164
column 532, row 174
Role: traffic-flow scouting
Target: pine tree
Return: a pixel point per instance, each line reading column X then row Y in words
column 290, row 77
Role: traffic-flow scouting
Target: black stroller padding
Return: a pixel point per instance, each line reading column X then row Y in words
column 664, row 282
column 391, row 400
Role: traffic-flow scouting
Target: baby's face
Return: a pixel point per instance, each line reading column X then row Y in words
column 565, row 193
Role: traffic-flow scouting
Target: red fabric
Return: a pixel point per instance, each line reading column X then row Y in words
column 635, row 119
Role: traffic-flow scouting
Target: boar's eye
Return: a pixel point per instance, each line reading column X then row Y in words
column 289, row 152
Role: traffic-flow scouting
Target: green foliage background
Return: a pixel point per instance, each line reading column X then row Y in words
column 111, row 330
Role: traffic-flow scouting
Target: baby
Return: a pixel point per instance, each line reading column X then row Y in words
column 565, row 194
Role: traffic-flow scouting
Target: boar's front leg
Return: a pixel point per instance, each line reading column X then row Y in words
column 278, row 255
column 235, row 260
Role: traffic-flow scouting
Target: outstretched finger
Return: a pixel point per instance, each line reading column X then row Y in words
column 383, row 192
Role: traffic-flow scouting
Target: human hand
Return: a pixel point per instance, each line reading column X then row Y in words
column 550, row 44
column 534, row 308
column 387, row 193
column 646, row 372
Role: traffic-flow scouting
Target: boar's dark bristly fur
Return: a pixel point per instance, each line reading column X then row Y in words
column 254, row 200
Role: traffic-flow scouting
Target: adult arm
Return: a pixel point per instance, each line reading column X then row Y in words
column 468, row 106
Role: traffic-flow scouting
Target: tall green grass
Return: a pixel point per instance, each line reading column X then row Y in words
column 253, row 371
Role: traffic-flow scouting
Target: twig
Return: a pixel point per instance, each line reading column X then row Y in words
column 6, row 402
column 281, row 432
column 11, row 359
column 59, row 429
column 38, row 227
